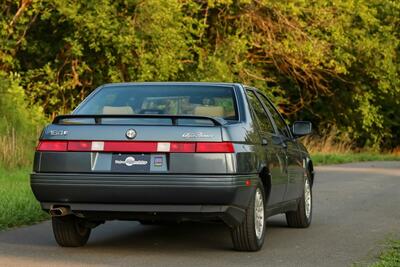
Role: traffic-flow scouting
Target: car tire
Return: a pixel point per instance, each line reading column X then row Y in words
column 301, row 218
column 69, row 231
column 250, row 234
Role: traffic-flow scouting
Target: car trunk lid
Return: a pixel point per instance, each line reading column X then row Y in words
column 133, row 144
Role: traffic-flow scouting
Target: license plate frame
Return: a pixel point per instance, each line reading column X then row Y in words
column 131, row 162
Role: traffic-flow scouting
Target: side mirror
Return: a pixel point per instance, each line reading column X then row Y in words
column 301, row 128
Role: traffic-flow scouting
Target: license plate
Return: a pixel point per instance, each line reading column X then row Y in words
column 131, row 163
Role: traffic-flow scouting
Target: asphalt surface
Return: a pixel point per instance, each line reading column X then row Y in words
column 356, row 207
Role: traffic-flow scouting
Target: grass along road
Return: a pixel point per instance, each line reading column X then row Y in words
column 390, row 257
column 339, row 158
column 18, row 206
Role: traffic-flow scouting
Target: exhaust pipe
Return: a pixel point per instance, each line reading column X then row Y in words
column 59, row 211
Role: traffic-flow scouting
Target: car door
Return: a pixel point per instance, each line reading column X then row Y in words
column 295, row 171
column 275, row 155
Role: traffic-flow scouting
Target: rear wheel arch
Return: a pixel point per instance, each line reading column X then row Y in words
column 250, row 234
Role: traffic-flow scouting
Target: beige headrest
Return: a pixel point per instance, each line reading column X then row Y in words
column 123, row 110
column 211, row 111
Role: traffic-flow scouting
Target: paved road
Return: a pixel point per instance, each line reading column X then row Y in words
column 356, row 207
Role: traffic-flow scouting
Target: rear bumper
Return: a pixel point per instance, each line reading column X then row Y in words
column 225, row 196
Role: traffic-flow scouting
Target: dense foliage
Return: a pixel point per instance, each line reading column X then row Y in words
column 19, row 123
column 333, row 62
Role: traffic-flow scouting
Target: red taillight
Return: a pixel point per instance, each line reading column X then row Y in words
column 79, row 146
column 210, row 147
column 52, row 146
column 183, row 147
column 133, row 146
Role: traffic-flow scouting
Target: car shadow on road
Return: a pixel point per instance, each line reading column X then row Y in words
column 170, row 237
column 119, row 239
column 124, row 235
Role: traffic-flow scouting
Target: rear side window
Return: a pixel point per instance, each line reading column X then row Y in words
column 262, row 117
column 280, row 123
column 210, row 101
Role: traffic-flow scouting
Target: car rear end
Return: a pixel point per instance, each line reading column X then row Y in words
column 145, row 152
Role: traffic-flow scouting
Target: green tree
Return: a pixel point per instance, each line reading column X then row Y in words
column 333, row 62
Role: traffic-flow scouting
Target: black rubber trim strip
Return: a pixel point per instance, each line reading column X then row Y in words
column 140, row 180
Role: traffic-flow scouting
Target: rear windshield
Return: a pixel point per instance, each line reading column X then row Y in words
column 211, row 101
